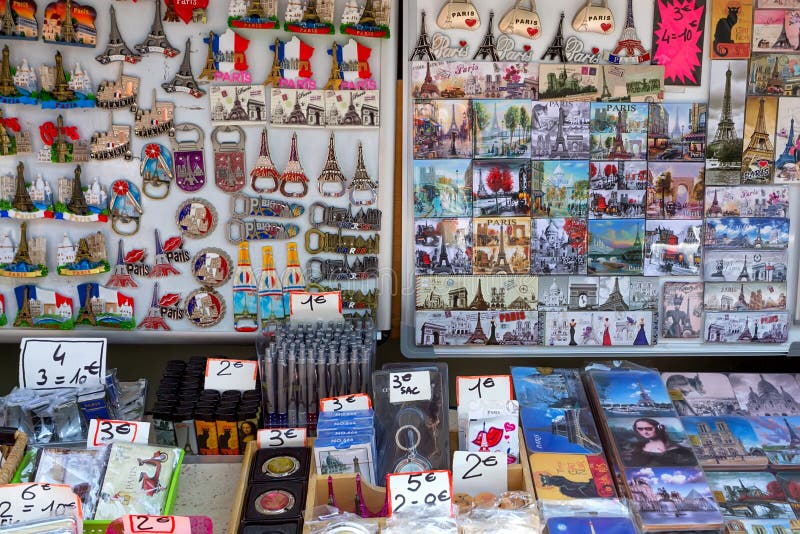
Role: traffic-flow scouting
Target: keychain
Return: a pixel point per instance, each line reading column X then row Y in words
column 458, row 15
column 190, row 167
column 362, row 183
column 594, row 18
column 126, row 207
column 521, row 21
column 228, row 159
column 332, row 174
column 412, row 461
column 294, row 173
column 264, row 169
column 156, row 170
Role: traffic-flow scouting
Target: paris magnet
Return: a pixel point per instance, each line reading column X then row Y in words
column 522, row 20
column 371, row 19
column 363, row 268
column 27, row 260
column 62, row 90
column 19, row 84
column 69, row 23
column 189, row 158
column 253, row 15
column 162, row 307
column 595, row 18
column 629, row 48
column 291, row 65
column 226, row 58
column 310, row 17
column 186, row 11
column 205, row 307
column 43, row 308
column 119, row 93
column 156, row 121
column 257, row 230
column 196, row 218
column 14, row 141
column 116, row 50
column 128, row 264
column 363, row 191
column 156, row 170
column 238, row 104
column 458, row 15
column 77, row 203
column 104, row 307
column 19, row 20
column 62, row 143
column 183, row 81
column 156, row 41
column 87, row 258
column 264, row 170
column 23, row 200
column 229, row 158
column 112, row 143
column 126, row 207
column 331, row 182
column 212, row 267
column 368, row 219
column 162, row 263
column 294, row 182
column 299, row 107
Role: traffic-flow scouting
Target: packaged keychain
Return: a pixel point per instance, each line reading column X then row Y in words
column 521, row 21
column 458, row 15
column 594, row 18
column 190, row 167
column 229, row 171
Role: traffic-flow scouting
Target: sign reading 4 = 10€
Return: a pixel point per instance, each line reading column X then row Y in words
column 62, row 362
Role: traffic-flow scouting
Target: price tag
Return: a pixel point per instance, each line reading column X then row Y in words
column 407, row 491
column 62, row 363
column 104, row 431
column 281, row 437
column 409, row 386
column 477, row 388
column 476, row 472
column 224, row 374
column 311, row 307
column 156, row 524
column 34, row 501
column 346, row 403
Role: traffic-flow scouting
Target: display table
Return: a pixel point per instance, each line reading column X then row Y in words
column 208, row 487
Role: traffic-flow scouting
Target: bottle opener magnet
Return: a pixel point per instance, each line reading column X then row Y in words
column 247, row 206
column 362, row 184
column 126, row 207
column 156, row 171
column 458, row 15
column 331, row 174
column 256, row 230
column 190, row 166
column 294, row 173
column 340, row 244
column 320, row 214
column 229, row 160
column 264, row 169
column 341, row 270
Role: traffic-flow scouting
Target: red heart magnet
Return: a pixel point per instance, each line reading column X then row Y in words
column 184, row 9
column 527, row 48
column 462, row 44
column 533, row 31
column 763, row 163
column 595, row 50
column 605, row 26
column 470, row 22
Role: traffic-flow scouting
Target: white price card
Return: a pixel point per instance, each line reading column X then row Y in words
column 409, row 386
column 104, row 431
column 224, row 374
column 57, row 363
column 281, row 437
column 310, row 307
column 477, row 472
column 346, row 403
column 34, row 501
column 156, row 524
column 483, row 388
column 424, row 489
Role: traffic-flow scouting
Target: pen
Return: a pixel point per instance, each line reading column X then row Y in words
column 342, row 365
column 292, row 361
column 354, row 382
column 321, row 372
column 333, row 379
column 281, row 390
column 311, row 401
column 269, row 379
column 365, row 366
column 301, row 390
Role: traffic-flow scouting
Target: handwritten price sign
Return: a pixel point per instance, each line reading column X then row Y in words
column 62, row 363
column 281, row 437
column 486, row 388
column 678, row 29
column 156, row 524
column 476, row 472
column 310, row 307
column 34, row 501
column 346, row 403
column 224, row 374
column 409, row 386
column 433, row 489
column 104, row 431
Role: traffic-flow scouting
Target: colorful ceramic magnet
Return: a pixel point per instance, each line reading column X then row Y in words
column 183, row 81
column 291, row 64
column 20, row 85
column 331, row 182
column 205, row 307
column 116, row 49
column 595, row 18
column 314, row 16
column 629, row 48
column 156, row 170
column 19, row 20
column 105, row 307
column 27, row 260
column 226, row 58
column 256, row 230
column 81, row 204
column 62, row 144
column 156, row 41
column 43, row 308
column 228, row 104
column 458, row 15
column 371, row 19
column 126, row 207
column 341, row 270
column 160, row 309
column 196, row 218
column 340, row 244
column 186, row 11
column 60, row 90
column 190, row 167
column 229, row 158
column 69, row 23
column 212, row 267
column 127, row 265
column 245, row 293
column 350, row 67
column 14, row 141
column 156, row 121
column 86, row 258
column 248, row 206
column 23, row 201
column 344, row 218
column 112, row 143
column 119, row 93
column 162, row 265
column 264, row 170
column 253, row 14
column 293, row 173
column 363, row 191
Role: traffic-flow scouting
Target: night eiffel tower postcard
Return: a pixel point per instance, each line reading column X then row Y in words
column 476, row 328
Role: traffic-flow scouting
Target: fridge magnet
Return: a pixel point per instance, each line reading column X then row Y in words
column 162, row 264
column 156, row 121
column 675, row 190
column 270, row 291
column 298, row 107
column 62, row 144
column 18, row 85
column 672, row 248
column 156, row 41
column 616, row 246
column 423, row 50
column 253, row 15
column 443, row 246
column 553, row 293
column 117, row 94
column 186, row 11
column 128, row 264
column 248, row 206
column 629, row 48
column 733, row 20
column 173, row 248
column 156, row 170
column 309, row 16
column 21, row 200
column 226, row 58
column 77, row 203
column 431, row 141
column 238, row 104
column 604, row 293
column 748, row 327
column 318, row 242
column 293, row 175
column 678, row 37
column 498, row 130
column 677, row 131
column 27, row 259
column 501, row 187
column 521, row 20
column 257, row 230
column 552, row 124
column 444, row 48
column 618, row 131
column 350, row 67
column 229, row 158
column 746, row 452
column 595, row 18
column 777, row 4
column 19, row 20
column 558, row 246
column 634, row 83
column 745, row 233
column 443, row 188
column 502, row 245
column 363, row 190
column 726, row 109
column 352, row 109
column 458, row 15
column 555, row 50
column 365, row 219
column 620, row 175
column 14, row 141
column 634, row 438
column 598, row 328
column 787, row 140
column 60, row 90
column 568, row 82
column 69, row 23
column 86, row 258
column 631, row 392
column 467, row 292
column 196, row 218
column 744, row 296
column 436, row 328
column 188, row 158
column 112, row 143
column 212, row 267
column 774, row 30
column 364, row 268
column 644, row 293
column 43, row 308
column 744, row 266
column 204, row 307
column 682, row 310
column 116, row 49
column 773, row 74
column 291, row 65
column 758, row 158
column 162, row 308
column 183, row 81
column 487, row 50
column 616, row 203
column 575, row 51
column 331, row 183
column 559, row 188
column 264, row 169
column 730, row 485
column 245, row 293
column 368, row 20
column 106, row 307
column 126, row 207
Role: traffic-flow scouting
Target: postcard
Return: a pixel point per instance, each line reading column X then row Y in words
column 617, row 204
column 724, row 442
column 559, row 188
column 442, row 129
column 702, row 394
column 350, row 109
column 775, row 30
column 598, row 328
column 553, row 293
column 747, row 201
column 560, row 130
column 605, row 293
column 732, row 23
column 744, row 296
column 293, row 107
column 501, row 187
column 238, row 104
column 773, row 74
column 565, row 430
column 634, row 83
column 644, row 293
column 745, row 233
column 775, row 394
column 615, row 246
column 476, row 293
column 443, row 188
column 675, row 190
column 677, row 131
column 778, row 437
column 651, row 442
column 443, row 246
column 682, row 310
column 571, row 476
column 502, row 245
column 787, row 142
column 744, row 266
column 558, row 246
column 474, row 79
column 678, row 36
column 746, row 327
column 758, row 158
column 618, row 175
column 726, row 108
column 777, row 4
column 734, row 492
column 758, row 526
column 569, row 82
column 502, row 128
column 436, row 328
column 618, row 131
column 547, row 387
column 631, row 393
column 790, row 483
column 585, row 525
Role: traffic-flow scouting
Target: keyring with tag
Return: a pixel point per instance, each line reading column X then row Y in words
column 341, row 270
column 190, row 166
column 229, row 172
column 156, row 170
column 594, row 18
column 332, row 174
column 264, row 169
column 196, row 218
column 341, row 244
column 458, row 15
column 254, row 230
column 248, row 206
column 126, row 207
column 362, row 183
column 294, row 173
column 521, row 21
column 334, row 217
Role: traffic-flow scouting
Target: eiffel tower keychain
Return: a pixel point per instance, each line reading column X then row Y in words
column 264, row 169
column 190, row 166
column 458, row 15
column 229, row 159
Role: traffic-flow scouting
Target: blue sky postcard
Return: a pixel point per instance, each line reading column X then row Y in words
column 741, row 449
column 616, row 246
column 631, row 393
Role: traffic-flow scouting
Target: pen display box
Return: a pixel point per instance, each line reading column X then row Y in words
column 277, row 465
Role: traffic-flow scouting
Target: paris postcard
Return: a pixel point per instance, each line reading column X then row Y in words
column 618, row 175
column 443, row 188
column 436, row 328
column 560, row 130
column 628, row 393
column 725, row 122
column 559, row 188
column 775, row 30
column 631, row 436
column 677, row 131
column 616, row 246
column 775, row 393
column 682, row 310
column 732, row 24
column 558, row 246
column 598, row 328
column 702, row 394
column 443, row 246
column 502, row 245
column 760, row 233
column 746, row 327
column 787, row 139
column 758, row 158
column 565, row 430
column 564, row 477
column 747, row 201
column 502, row 128
column 599, row 293
column 479, row 293
column 741, row 450
column 744, row 296
column 501, row 187
column 734, row 492
column 675, row 190
column 618, row 131
column 585, row 525
column 743, row 265
column 779, row 437
column 442, row 129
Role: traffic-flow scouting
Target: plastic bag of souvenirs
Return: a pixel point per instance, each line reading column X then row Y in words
column 419, row 522
column 51, row 525
column 583, row 507
column 511, row 512
column 329, row 519
column 81, row 469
